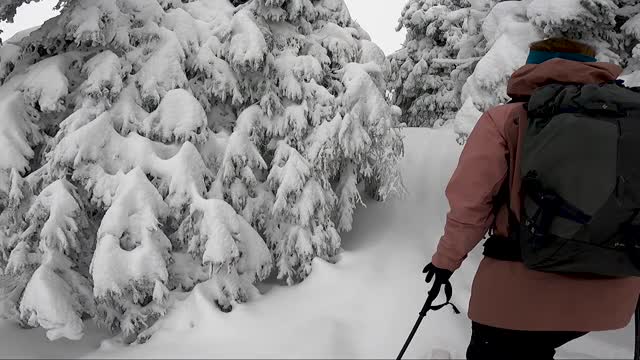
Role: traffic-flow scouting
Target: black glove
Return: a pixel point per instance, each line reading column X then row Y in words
column 440, row 278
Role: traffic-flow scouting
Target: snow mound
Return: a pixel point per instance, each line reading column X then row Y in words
column 47, row 298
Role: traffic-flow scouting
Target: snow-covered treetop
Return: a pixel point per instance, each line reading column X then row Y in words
column 8, row 8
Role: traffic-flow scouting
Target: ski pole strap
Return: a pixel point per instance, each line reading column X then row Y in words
column 428, row 306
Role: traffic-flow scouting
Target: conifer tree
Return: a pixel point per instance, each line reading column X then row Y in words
column 438, row 55
column 152, row 146
column 511, row 26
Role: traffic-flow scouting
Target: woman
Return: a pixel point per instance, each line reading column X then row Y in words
column 518, row 313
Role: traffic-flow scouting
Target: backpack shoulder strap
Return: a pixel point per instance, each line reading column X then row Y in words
column 498, row 247
column 515, row 116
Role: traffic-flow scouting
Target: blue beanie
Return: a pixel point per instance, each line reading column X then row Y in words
column 538, row 57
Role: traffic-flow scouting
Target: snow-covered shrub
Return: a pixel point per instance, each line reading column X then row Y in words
column 150, row 146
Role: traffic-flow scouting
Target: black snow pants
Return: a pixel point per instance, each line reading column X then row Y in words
column 489, row 343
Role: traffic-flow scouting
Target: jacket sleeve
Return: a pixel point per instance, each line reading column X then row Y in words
column 481, row 171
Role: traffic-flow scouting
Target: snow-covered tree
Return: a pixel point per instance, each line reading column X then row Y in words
column 591, row 21
column 152, row 146
column 628, row 18
column 512, row 25
column 8, row 8
column 439, row 53
column 507, row 34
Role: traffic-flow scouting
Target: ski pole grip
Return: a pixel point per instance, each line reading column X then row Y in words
column 448, row 290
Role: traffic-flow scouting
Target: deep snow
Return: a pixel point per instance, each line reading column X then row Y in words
column 361, row 307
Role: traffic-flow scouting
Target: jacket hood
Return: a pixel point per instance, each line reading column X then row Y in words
column 559, row 71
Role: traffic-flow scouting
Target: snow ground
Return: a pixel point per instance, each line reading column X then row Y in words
column 362, row 307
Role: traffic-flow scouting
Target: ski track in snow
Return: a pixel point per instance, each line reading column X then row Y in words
column 362, row 307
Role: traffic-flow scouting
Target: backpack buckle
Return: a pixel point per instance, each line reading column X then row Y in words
column 538, row 233
column 533, row 228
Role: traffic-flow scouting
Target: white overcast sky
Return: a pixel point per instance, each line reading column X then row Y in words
column 378, row 17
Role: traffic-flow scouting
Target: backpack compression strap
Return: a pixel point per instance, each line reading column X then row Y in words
column 550, row 206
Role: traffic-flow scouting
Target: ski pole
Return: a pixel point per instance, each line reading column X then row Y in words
column 428, row 305
column 423, row 313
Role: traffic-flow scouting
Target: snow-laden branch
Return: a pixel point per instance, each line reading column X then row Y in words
column 456, row 61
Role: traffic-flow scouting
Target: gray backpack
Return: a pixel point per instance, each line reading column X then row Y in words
column 580, row 165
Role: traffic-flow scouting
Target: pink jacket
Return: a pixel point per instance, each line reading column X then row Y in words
column 507, row 294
